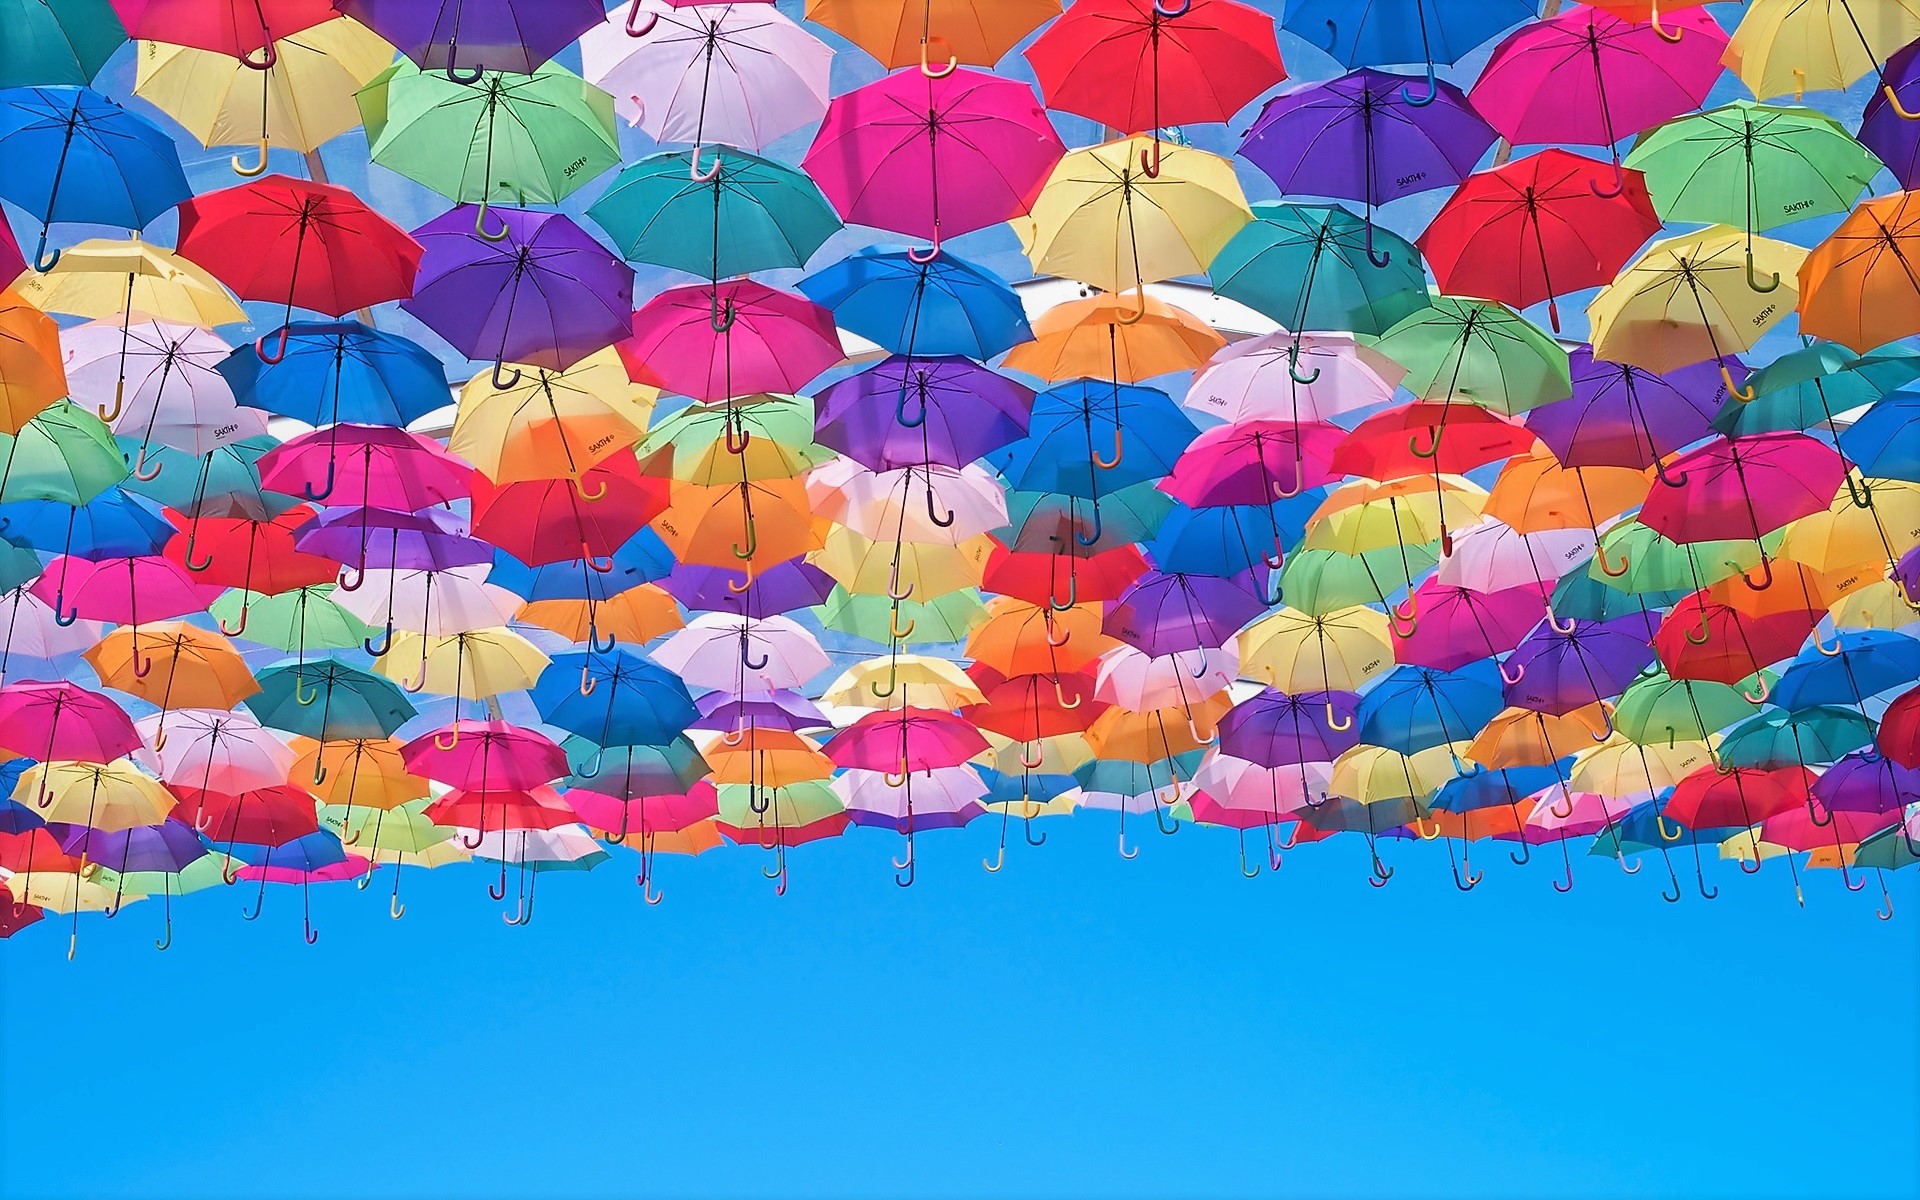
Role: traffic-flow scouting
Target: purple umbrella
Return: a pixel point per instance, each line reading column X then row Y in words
column 906, row 412
column 169, row 846
column 1358, row 138
column 1893, row 138
column 1870, row 785
column 1906, row 573
column 545, row 294
column 783, row 710
column 1622, row 416
column 464, row 37
column 1167, row 612
column 1555, row 673
column 1274, row 729
column 430, row 540
column 782, row 588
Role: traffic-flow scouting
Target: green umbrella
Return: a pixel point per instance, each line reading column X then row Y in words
column 1660, row 708
column 754, row 214
column 405, row 829
column 65, row 453
column 942, row 620
column 1318, row 582
column 329, row 701
column 304, row 619
column 531, row 137
column 1308, row 267
column 1656, row 563
column 1810, row 737
column 776, row 431
column 1590, row 596
column 787, row 807
column 1752, row 166
column 1809, row 386
column 1890, row 849
column 1480, row 352
column 45, row 42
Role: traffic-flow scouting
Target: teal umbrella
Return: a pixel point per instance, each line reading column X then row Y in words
column 45, row 42
column 1317, row 266
column 329, row 701
column 1808, row 737
column 1810, row 386
column 753, row 214
column 531, row 138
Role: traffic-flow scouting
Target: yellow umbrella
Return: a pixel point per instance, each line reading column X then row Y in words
column 102, row 277
column 1693, row 297
column 1374, row 773
column 1296, row 651
column 918, row 681
column 1103, row 221
column 475, row 665
column 1363, row 515
column 1879, row 605
column 1847, row 537
column 1618, row 767
column 106, row 796
column 551, row 424
column 185, row 666
column 1117, row 338
column 304, row 99
column 1058, row 755
column 1802, row 46
column 921, row 569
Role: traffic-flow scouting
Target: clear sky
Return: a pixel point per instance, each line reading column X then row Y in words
column 1076, row 1024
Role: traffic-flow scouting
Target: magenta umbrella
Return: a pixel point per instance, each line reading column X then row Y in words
column 1732, row 489
column 126, row 591
column 482, row 755
column 934, row 157
column 63, row 721
column 737, row 338
column 1589, row 78
column 366, row 466
column 905, row 739
column 1254, row 462
column 1455, row 626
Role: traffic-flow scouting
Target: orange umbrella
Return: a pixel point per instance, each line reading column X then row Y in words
column 1646, row 10
column 636, row 615
column 31, row 374
column 901, row 33
column 1110, row 337
column 1535, row 493
column 356, row 773
column 1157, row 733
column 1859, row 287
column 746, row 525
column 1019, row 638
column 766, row 758
column 1520, row 737
column 173, row 665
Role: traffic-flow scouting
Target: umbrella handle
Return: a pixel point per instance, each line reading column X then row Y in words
column 1420, row 827
column 1293, row 367
column 1381, row 259
column 1822, row 646
column 753, row 544
column 255, row 168
column 41, row 262
column 480, row 225
column 1211, row 739
column 1606, row 728
column 893, row 685
column 640, row 31
column 141, row 667
column 1039, row 756
column 746, row 657
column 588, row 681
column 1299, row 485
column 502, row 382
column 1060, row 696
column 1162, row 9
column 1572, row 626
column 386, row 643
column 1108, row 464
column 1124, row 852
column 1618, row 186
column 1134, row 317
column 1066, row 634
column 933, row 514
column 590, row 495
column 418, row 683
column 1073, row 595
column 1862, row 493
column 594, row 564
column 1432, row 451
column 1885, row 914
column 738, row 589
column 594, row 644
column 453, row 739
column 1766, row 690
column 1607, row 568
column 1336, row 722
column 1753, row 281
column 1472, row 880
column 899, row 632
column 326, row 489
column 1672, row 481
column 721, row 318
column 1660, row 819
column 1766, row 575
column 1670, row 36
column 693, row 167
column 357, row 574
column 158, row 744
column 895, row 590
column 737, row 448
column 280, row 348
column 993, row 865
column 1433, row 90
column 1899, row 110
column 916, row 255
column 898, row 780
column 269, row 57
column 110, row 415
column 142, row 471
column 464, row 78
column 1520, row 672
column 1569, row 887
column 1726, row 376
column 1099, row 527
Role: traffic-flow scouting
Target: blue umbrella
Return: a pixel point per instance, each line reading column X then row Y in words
column 614, row 699
column 1869, row 661
column 1089, row 438
column 1230, row 539
column 74, row 155
column 947, row 306
column 1414, row 708
column 336, row 371
column 329, row 701
column 1802, row 737
column 115, row 524
column 1884, row 442
column 1382, row 33
column 666, row 768
column 1490, row 789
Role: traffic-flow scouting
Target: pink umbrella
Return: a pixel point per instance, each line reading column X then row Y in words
column 64, row 721
column 123, row 590
column 933, row 156
column 1251, row 380
column 1590, row 78
column 1253, row 462
column 1140, row 681
column 1453, row 626
column 478, row 755
column 904, row 740
column 644, row 816
column 1579, row 814
column 29, row 631
column 214, row 750
column 712, row 342
column 1274, row 792
column 367, row 466
column 1491, row 556
column 1733, row 489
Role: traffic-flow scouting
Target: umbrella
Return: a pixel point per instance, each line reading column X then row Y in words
column 1886, row 128
column 976, row 32
column 746, row 214
column 1250, row 379
column 32, row 375
column 964, row 412
column 1785, row 46
column 243, row 29
column 949, row 306
column 1108, row 336
column 64, row 42
column 1403, row 31
column 1313, row 266
column 1856, row 286
column 736, row 338
column 105, row 278
column 464, row 38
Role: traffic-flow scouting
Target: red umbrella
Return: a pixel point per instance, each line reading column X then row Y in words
column 1027, row 708
column 1429, row 437
column 242, row 29
column 269, row 816
column 1899, row 737
column 122, row 590
column 1064, row 579
column 1538, row 228
column 62, row 720
column 734, row 339
column 237, row 552
column 498, row 810
column 304, row 244
column 1715, row 798
column 1145, row 64
column 12, row 263
column 645, row 815
column 1737, row 488
column 552, row 520
column 1701, row 638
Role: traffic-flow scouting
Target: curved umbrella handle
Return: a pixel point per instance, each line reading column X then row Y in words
column 916, row 255
column 640, row 31
column 1162, row 9
column 326, row 489
column 1150, row 158
column 740, row 588
column 693, row 167
column 737, row 447
column 1618, row 186
column 1766, row 576
column 753, row 543
column 1060, row 696
column 1099, row 527
column 1334, row 720
column 596, row 645
column 1670, row 36
column 386, row 643
column 1073, row 595
column 1607, row 568
column 1753, row 282
column 358, row 576
column 464, row 78
column 269, row 57
column 502, row 382
column 239, row 629
column 1766, row 689
column 41, row 262
column 933, row 72
column 109, row 415
column 253, row 169
column 279, row 349
column 1108, row 464
column 1066, row 633
column 933, row 514
column 1032, row 760
column 480, row 225
column 1381, row 259
column 1433, row 448
column 1433, row 91
column 1293, row 367
column 594, row 564
column 899, row 632
column 721, row 318
column 1520, row 672
column 1726, row 378
column 1706, row 631
column 1822, row 647
column 142, row 471
column 1568, row 630
column 1135, row 316
column 1899, row 110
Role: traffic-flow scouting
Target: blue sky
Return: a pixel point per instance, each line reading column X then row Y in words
column 1074, row 1025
